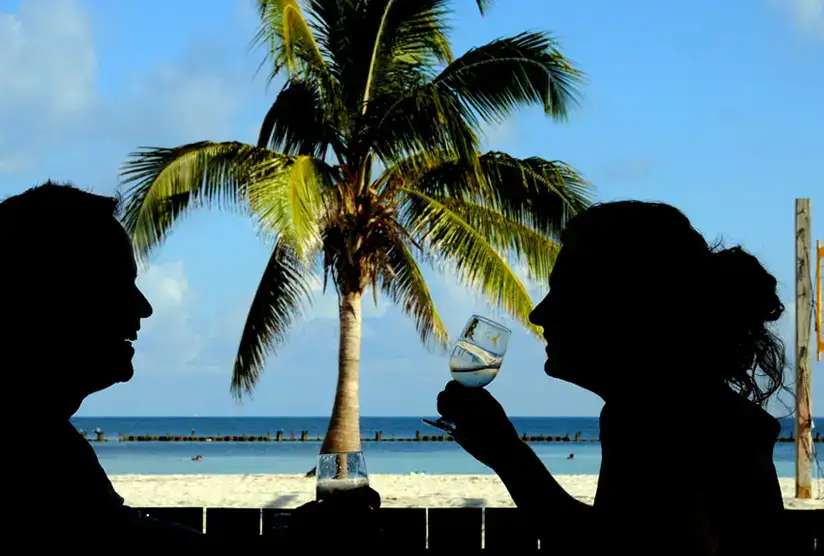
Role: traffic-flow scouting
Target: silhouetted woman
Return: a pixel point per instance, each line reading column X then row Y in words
column 672, row 334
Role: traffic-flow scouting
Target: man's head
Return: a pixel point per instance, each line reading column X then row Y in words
column 69, row 305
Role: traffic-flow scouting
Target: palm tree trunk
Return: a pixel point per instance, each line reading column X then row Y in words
column 344, row 427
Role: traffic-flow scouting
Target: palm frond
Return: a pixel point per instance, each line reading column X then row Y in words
column 289, row 198
column 296, row 122
column 483, row 5
column 423, row 120
column 410, row 169
column 163, row 183
column 527, row 69
column 287, row 38
column 402, row 281
column 540, row 194
column 510, row 237
column 280, row 299
column 397, row 44
column 408, row 39
column 478, row 264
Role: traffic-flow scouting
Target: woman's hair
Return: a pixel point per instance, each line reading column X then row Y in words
column 724, row 299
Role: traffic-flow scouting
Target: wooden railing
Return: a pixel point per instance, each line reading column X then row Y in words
column 458, row 530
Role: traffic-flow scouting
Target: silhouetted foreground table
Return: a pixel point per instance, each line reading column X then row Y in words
column 457, row 530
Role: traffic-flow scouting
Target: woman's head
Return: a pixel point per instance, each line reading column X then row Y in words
column 638, row 300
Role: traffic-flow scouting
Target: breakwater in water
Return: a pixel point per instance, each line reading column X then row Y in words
column 304, row 436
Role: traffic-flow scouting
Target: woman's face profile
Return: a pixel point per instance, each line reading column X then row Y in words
column 569, row 317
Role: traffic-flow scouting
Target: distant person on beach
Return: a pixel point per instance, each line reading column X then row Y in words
column 70, row 312
column 648, row 316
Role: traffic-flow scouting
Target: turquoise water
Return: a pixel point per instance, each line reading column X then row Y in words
column 161, row 458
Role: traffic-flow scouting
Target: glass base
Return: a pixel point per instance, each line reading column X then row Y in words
column 441, row 424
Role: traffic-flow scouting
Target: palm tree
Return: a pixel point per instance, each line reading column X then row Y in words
column 368, row 165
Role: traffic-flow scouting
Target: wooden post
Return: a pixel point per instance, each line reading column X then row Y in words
column 819, row 303
column 803, row 354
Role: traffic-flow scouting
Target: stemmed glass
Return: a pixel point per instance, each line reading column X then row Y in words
column 476, row 357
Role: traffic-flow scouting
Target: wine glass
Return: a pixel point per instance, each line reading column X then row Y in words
column 340, row 472
column 476, row 357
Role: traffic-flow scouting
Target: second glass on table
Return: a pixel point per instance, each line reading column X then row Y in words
column 340, row 472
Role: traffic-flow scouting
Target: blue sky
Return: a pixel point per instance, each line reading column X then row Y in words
column 715, row 107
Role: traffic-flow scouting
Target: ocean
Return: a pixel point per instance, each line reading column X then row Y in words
column 171, row 458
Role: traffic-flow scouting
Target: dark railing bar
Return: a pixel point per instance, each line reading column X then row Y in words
column 451, row 529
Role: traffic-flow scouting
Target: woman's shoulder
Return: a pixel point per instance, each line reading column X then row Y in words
column 703, row 418
column 751, row 420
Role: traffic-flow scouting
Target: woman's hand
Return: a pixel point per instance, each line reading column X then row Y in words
column 481, row 425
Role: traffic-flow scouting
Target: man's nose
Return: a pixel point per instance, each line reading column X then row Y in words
column 145, row 308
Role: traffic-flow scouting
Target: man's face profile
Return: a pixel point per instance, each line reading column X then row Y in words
column 102, row 310
column 86, row 313
column 69, row 306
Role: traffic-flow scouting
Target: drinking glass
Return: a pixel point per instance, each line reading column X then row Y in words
column 340, row 472
column 476, row 357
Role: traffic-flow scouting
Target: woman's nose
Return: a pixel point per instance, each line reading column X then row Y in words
column 538, row 314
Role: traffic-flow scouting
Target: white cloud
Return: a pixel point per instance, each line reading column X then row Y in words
column 495, row 136
column 168, row 339
column 48, row 69
column 808, row 14
column 630, row 168
column 196, row 97
column 51, row 107
column 47, row 59
column 165, row 285
column 13, row 162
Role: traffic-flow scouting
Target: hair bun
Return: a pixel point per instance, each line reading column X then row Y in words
column 746, row 285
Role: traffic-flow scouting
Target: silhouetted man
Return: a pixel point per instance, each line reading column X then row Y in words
column 69, row 312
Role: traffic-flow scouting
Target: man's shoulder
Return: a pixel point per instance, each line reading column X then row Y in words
column 81, row 474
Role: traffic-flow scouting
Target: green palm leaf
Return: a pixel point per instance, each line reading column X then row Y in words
column 279, row 301
column 407, row 40
column 422, row 120
column 540, row 194
column 411, row 169
column 401, row 279
column 487, row 83
column 288, row 198
column 508, row 236
column 507, row 73
column 288, row 39
column 476, row 261
column 162, row 184
column 293, row 125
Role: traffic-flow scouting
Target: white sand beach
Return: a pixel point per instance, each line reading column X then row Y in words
column 431, row 491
